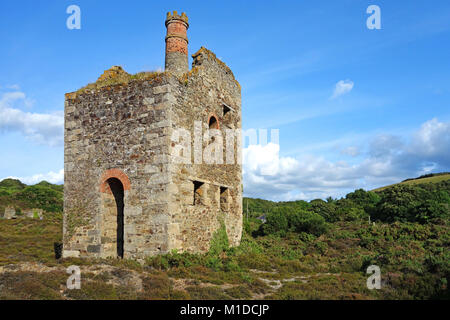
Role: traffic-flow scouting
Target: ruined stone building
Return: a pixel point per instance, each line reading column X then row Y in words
column 129, row 189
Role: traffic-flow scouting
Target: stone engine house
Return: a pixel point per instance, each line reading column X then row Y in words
column 130, row 191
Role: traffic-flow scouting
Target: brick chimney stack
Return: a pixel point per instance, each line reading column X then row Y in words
column 177, row 43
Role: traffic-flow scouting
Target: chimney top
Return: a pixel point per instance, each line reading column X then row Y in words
column 175, row 16
column 177, row 43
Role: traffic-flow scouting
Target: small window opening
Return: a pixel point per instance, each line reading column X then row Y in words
column 213, row 123
column 224, row 199
column 198, row 192
column 226, row 109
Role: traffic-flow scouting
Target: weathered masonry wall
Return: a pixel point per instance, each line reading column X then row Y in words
column 205, row 92
column 119, row 131
column 126, row 194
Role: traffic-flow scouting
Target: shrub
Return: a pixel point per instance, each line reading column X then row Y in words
column 276, row 222
column 364, row 198
column 325, row 209
column 219, row 241
column 354, row 214
column 281, row 221
column 308, row 222
column 207, row 293
column 414, row 203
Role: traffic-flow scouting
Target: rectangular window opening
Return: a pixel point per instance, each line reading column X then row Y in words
column 198, row 192
column 226, row 109
column 224, row 199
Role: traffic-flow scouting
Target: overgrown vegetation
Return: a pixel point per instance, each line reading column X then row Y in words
column 423, row 203
column 426, row 178
column 43, row 195
column 117, row 76
column 305, row 250
column 30, row 240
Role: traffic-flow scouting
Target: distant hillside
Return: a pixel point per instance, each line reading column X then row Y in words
column 428, row 178
column 420, row 200
column 43, row 195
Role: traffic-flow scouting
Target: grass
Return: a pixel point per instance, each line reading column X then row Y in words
column 433, row 179
column 412, row 258
column 117, row 76
column 29, row 240
column 32, row 285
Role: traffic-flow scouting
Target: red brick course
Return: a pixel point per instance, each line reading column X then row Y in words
column 176, row 45
column 176, row 39
column 114, row 173
column 217, row 119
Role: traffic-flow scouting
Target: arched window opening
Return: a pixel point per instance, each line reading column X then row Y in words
column 213, row 123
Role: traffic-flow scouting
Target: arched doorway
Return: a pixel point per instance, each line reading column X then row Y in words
column 114, row 189
column 117, row 190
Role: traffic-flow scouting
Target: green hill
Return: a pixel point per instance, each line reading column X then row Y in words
column 43, row 195
column 419, row 200
column 428, row 178
column 8, row 186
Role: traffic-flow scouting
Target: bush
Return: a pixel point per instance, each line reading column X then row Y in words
column 219, row 241
column 174, row 259
column 364, row 198
column 281, row 221
column 354, row 214
column 308, row 222
column 276, row 222
column 325, row 209
column 414, row 203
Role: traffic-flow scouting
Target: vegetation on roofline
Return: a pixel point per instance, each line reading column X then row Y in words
column 117, row 76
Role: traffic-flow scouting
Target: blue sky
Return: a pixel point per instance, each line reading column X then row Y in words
column 354, row 107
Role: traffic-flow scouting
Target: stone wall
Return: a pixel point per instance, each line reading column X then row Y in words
column 205, row 91
column 33, row 213
column 10, row 213
column 122, row 127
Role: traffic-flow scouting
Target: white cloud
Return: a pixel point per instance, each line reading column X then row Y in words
column 13, row 87
column 39, row 127
column 52, row 177
column 342, row 87
column 351, row 151
column 305, row 178
column 387, row 160
column 432, row 140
